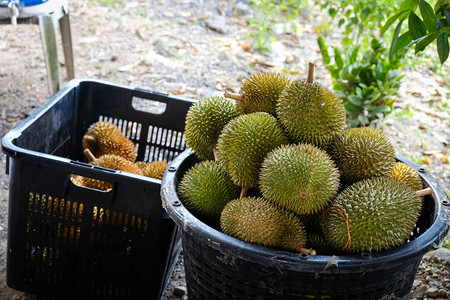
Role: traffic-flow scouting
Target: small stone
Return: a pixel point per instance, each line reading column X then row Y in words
column 440, row 254
column 432, row 292
column 179, row 291
column 216, row 24
column 242, row 8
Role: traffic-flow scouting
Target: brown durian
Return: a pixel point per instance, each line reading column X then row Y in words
column 106, row 138
column 154, row 169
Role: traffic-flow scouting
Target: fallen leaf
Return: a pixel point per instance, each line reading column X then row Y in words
column 427, row 160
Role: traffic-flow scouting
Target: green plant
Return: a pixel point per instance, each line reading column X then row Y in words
column 361, row 72
column 268, row 14
column 434, row 25
column 365, row 79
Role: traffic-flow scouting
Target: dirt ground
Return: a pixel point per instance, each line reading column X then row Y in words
column 196, row 49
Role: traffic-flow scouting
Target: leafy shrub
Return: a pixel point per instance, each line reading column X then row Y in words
column 434, row 25
column 365, row 79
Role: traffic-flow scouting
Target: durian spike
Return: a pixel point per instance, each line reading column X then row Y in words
column 215, row 154
column 244, row 192
column 424, row 192
column 237, row 97
column 304, row 250
column 310, row 78
column 89, row 155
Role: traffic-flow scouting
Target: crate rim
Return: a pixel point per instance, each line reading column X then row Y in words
column 346, row 263
column 80, row 168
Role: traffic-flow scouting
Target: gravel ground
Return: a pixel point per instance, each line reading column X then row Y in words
column 197, row 49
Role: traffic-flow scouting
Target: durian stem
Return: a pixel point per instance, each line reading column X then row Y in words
column 310, row 78
column 215, row 153
column 88, row 137
column 244, row 192
column 237, row 97
column 304, row 250
column 89, row 155
column 424, row 192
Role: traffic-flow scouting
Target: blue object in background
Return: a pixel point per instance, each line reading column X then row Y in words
column 22, row 3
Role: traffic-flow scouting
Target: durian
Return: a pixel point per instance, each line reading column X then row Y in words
column 110, row 161
column 244, row 143
column 362, row 153
column 206, row 188
column 406, row 174
column 154, row 169
column 310, row 113
column 371, row 215
column 301, row 178
column 106, row 138
column 255, row 220
column 259, row 93
column 204, row 122
column 319, row 244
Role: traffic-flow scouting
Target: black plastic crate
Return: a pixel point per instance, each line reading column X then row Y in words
column 80, row 243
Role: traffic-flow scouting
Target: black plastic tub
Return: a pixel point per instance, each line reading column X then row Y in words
column 221, row 267
column 79, row 243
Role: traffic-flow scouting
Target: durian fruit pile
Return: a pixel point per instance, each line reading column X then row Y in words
column 278, row 168
column 105, row 145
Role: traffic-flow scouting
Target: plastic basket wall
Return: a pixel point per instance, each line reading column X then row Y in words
column 75, row 242
column 221, row 267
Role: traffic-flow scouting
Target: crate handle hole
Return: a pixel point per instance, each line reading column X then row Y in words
column 91, row 183
column 148, row 106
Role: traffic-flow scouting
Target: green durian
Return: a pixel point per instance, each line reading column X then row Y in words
column 406, row 174
column 319, row 244
column 204, row 122
column 301, row 178
column 255, row 220
column 206, row 188
column 310, row 113
column 259, row 93
column 371, row 215
column 245, row 142
column 362, row 153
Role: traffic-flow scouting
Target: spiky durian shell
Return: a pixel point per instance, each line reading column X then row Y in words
column 206, row 188
column 245, row 142
column 362, row 153
column 110, row 161
column 204, row 122
column 406, row 174
column 381, row 211
column 319, row 244
column 106, row 138
column 255, row 220
column 261, row 92
column 154, row 169
column 301, row 178
column 310, row 113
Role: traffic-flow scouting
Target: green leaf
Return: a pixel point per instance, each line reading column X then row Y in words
column 416, row 26
column 355, row 100
column 395, row 39
column 446, row 30
column 428, row 16
column 363, row 119
column 338, row 58
column 423, row 42
column 409, row 5
column 381, row 109
column 341, row 22
column 403, row 41
column 442, row 47
column 392, row 20
column 323, row 50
